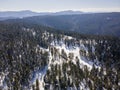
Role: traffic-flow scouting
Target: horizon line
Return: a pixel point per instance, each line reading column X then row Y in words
column 58, row 11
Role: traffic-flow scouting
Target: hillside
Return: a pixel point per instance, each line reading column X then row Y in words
column 85, row 23
column 35, row 57
column 94, row 23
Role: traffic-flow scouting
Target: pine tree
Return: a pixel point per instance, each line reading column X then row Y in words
column 37, row 84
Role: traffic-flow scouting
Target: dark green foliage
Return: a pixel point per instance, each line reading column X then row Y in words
column 20, row 54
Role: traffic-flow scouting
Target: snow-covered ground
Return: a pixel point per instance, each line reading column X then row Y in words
column 41, row 73
column 75, row 50
column 2, row 81
column 40, row 76
column 71, row 49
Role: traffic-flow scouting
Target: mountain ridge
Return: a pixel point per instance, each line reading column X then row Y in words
column 28, row 13
column 93, row 24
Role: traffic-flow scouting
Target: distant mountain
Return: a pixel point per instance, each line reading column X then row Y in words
column 68, row 12
column 6, row 18
column 97, row 23
column 27, row 13
column 92, row 23
column 19, row 14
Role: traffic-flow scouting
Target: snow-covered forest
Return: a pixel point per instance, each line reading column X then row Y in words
column 34, row 57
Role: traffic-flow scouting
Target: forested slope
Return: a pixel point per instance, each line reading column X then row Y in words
column 93, row 23
column 42, row 58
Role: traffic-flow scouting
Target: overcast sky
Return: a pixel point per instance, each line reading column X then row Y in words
column 60, row 5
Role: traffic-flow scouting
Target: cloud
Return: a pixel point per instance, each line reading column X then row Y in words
column 101, row 9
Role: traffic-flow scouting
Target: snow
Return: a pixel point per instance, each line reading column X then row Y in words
column 2, row 81
column 34, row 33
column 93, row 49
column 40, row 76
column 29, row 30
column 42, row 72
column 68, row 37
column 2, row 77
column 59, row 60
column 119, row 83
column 75, row 51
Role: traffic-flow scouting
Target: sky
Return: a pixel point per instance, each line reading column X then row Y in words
column 61, row 5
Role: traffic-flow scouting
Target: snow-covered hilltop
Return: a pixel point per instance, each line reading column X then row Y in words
column 60, row 53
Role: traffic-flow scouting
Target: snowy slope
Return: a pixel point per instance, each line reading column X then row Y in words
column 58, row 60
column 75, row 50
column 40, row 76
